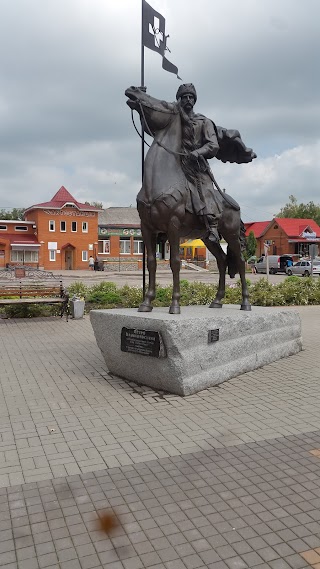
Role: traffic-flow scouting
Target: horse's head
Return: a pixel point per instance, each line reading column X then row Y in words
column 157, row 113
column 136, row 96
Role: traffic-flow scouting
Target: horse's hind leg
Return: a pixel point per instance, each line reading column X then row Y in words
column 221, row 259
column 173, row 236
column 245, row 293
column 239, row 261
column 150, row 240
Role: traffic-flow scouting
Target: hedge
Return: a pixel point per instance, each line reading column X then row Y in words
column 293, row 291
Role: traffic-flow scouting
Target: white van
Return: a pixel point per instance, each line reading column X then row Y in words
column 277, row 264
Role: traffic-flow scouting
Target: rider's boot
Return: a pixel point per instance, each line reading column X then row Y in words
column 212, row 222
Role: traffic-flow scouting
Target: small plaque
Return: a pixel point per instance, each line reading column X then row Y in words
column 142, row 342
column 213, row 336
column 19, row 272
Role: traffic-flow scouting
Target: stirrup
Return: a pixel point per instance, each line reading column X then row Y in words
column 213, row 235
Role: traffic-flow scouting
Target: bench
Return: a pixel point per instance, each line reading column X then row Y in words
column 39, row 289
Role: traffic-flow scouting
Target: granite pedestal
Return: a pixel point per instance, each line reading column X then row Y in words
column 196, row 349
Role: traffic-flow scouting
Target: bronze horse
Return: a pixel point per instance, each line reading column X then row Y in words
column 162, row 203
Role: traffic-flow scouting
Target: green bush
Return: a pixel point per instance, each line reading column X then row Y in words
column 78, row 289
column 105, row 293
column 31, row 310
column 197, row 293
column 292, row 291
column 163, row 295
column 131, row 296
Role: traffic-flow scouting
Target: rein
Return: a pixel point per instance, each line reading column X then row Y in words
column 168, row 149
column 151, row 133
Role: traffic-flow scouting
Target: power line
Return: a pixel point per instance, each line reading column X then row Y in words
column 258, row 209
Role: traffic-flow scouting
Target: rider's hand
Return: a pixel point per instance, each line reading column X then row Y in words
column 194, row 155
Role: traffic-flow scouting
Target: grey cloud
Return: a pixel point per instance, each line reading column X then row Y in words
column 65, row 65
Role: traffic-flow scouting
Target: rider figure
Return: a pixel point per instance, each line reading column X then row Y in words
column 199, row 143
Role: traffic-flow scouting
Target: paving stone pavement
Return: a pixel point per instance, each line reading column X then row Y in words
column 221, row 479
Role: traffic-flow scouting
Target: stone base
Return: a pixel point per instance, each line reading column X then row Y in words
column 188, row 361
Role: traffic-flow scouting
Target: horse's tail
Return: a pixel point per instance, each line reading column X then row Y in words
column 242, row 237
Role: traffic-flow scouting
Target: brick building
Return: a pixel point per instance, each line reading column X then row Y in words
column 119, row 233
column 120, row 239
column 18, row 243
column 67, row 231
column 285, row 235
column 59, row 234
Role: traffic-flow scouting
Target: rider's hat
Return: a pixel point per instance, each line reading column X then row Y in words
column 186, row 88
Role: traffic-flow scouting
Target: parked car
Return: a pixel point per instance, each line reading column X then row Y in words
column 277, row 264
column 303, row 268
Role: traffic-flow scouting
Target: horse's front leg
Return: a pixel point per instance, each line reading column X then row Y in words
column 150, row 240
column 221, row 259
column 173, row 236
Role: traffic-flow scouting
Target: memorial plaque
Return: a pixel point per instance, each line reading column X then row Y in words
column 213, row 336
column 142, row 342
column 19, row 272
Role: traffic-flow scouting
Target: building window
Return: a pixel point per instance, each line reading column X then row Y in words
column 21, row 256
column 84, row 255
column 3, row 227
column 137, row 247
column 125, row 246
column 31, row 256
column 17, row 256
column 52, row 255
column 52, row 225
column 104, row 246
column 84, row 227
column 74, row 226
column 63, row 226
column 21, row 228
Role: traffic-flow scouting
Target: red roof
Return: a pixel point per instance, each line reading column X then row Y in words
column 19, row 239
column 294, row 227
column 258, row 227
column 60, row 199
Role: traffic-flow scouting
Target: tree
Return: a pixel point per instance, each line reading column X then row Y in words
column 14, row 213
column 251, row 245
column 300, row 210
column 98, row 205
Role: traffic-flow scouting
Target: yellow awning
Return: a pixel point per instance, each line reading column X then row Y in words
column 193, row 243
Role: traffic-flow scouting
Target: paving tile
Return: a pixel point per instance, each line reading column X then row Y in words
column 242, row 502
column 310, row 556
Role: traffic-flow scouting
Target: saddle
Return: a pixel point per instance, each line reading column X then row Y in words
column 174, row 195
column 230, row 201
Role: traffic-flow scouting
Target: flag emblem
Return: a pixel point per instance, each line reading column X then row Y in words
column 154, row 35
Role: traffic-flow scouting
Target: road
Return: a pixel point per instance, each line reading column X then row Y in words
column 164, row 277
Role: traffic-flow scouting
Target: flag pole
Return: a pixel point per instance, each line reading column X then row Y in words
column 142, row 154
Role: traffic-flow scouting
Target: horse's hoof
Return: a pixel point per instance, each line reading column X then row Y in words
column 215, row 304
column 145, row 308
column 246, row 307
column 174, row 310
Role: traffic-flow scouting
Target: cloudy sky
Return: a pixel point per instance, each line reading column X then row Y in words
column 64, row 66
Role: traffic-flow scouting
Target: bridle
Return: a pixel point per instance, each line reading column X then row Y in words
column 151, row 133
column 174, row 153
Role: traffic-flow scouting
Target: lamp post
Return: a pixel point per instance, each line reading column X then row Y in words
column 266, row 250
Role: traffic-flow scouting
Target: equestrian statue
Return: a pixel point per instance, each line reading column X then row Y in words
column 180, row 196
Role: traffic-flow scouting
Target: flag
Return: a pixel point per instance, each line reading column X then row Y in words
column 154, row 35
